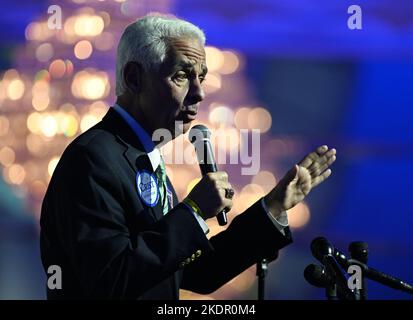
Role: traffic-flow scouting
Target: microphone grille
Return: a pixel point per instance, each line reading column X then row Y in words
column 359, row 250
column 316, row 276
column 198, row 133
column 319, row 247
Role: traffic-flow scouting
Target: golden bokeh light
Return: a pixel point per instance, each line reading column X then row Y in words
column 11, row 74
column 42, row 75
column 83, row 49
column 35, row 144
column 52, row 165
column 7, row 156
column 44, row 52
column 253, row 189
column 231, row 62
column 259, row 118
column 40, row 92
column 98, row 109
column 106, row 18
column 15, row 89
column 40, row 102
column 88, row 121
column 89, row 25
column 48, row 126
column 68, row 108
column 4, row 126
column 221, row 116
column 94, row 88
column 69, row 67
column 57, row 68
column 241, row 117
column 38, row 31
column 249, row 194
column 34, row 122
column 214, row 59
column 69, row 26
column 16, row 174
column 69, row 125
column 90, row 85
column 212, row 82
column 265, row 179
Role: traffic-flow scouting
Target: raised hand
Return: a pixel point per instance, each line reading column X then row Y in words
column 298, row 182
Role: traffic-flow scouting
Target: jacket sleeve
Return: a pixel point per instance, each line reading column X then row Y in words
column 250, row 237
column 107, row 262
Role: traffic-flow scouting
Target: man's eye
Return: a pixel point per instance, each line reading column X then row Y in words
column 181, row 76
column 201, row 78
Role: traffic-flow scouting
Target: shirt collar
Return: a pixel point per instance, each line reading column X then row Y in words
column 153, row 152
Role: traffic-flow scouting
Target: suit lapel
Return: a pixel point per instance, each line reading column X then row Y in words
column 134, row 153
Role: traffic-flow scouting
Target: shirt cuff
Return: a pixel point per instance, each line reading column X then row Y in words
column 281, row 222
column 198, row 218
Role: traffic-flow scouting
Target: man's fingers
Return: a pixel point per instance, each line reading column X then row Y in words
column 315, row 170
column 321, row 178
column 313, row 156
column 218, row 176
column 322, row 159
column 226, row 203
column 322, row 149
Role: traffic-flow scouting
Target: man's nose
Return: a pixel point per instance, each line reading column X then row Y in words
column 196, row 93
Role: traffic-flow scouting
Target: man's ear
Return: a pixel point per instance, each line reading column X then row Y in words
column 132, row 75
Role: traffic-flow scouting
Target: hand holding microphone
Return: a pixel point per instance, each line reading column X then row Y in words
column 213, row 194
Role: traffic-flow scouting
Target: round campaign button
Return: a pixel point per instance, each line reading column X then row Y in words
column 147, row 187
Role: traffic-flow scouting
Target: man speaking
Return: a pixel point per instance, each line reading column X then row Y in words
column 111, row 219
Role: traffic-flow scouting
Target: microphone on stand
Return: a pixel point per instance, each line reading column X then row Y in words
column 368, row 272
column 317, row 276
column 323, row 251
column 199, row 136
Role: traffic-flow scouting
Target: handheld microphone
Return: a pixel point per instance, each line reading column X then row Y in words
column 321, row 243
column 199, row 136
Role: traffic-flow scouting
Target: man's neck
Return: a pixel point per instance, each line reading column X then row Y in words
column 133, row 108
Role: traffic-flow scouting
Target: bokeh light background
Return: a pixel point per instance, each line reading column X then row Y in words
column 291, row 69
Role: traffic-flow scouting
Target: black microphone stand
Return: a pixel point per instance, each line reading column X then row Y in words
column 359, row 251
column 331, row 288
column 262, row 268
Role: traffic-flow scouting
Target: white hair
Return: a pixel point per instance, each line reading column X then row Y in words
column 146, row 41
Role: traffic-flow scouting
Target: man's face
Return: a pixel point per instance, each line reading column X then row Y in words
column 174, row 94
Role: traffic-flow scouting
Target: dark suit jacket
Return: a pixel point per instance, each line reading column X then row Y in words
column 109, row 244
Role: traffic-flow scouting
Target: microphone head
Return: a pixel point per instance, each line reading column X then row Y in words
column 316, row 275
column 320, row 247
column 198, row 133
column 359, row 250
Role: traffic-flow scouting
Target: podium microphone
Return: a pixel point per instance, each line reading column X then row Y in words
column 199, row 136
column 323, row 251
column 321, row 244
